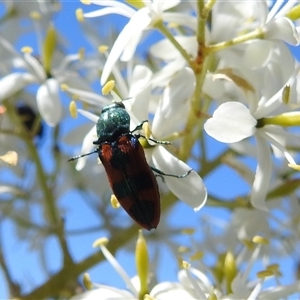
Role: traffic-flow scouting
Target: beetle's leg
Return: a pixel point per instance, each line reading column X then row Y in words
column 139, row 126
column 160, row 176
column 82, row 155
column 171, row 175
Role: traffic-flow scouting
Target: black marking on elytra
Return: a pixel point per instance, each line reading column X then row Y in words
column 131, row 186
column 143, row 211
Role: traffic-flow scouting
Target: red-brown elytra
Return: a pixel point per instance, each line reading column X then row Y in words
column 129, row 175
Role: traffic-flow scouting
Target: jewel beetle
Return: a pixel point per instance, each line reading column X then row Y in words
column 130, row 177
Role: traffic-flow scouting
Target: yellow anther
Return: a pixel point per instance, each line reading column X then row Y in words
column 79, row 15
column 264, row 274
column 35, row 15
column 188, row 231
column 172, row 25
column 147, row 130
column 108, row 87
column 183, row 249
column 100, row 242
column 87, row 281
column 114, row 201
column 260, row 240
column 197, row 256
column 27, row 50
column 64, row 87
column 103, row 48
column 185, row 264
column 286, row 94
column 73, row 109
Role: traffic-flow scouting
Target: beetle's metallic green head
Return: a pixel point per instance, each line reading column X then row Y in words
column 113, row 121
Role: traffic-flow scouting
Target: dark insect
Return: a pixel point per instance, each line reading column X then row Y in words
column 129, row 175
column 29, row 118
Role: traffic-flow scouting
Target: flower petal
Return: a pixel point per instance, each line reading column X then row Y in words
column 231, row 122
column 281, row 291
column 48, row 102
column 246, row 223
column 108, row 11
column 13, row 83
column 115, row 264
column 104, row 292
column 282, row 29
column 87, row 146
column 180, row 19
column 115, row 4
column 171, row 290
column 190, row 189
column 192, row 277
column 257, row 54
column 139, row 94
column 165, row 5
column 162, row 77
column 34, row 65
column 166, row 51
column 141, row 76
column 174, row 106
column 262, row 179
column 137, row 23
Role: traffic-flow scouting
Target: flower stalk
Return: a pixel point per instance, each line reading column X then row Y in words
column 142, row 264
column 288, row 119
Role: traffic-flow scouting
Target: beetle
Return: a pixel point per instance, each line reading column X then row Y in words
column 123, row 157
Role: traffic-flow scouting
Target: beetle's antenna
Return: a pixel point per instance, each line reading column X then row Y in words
column 82, row 155
column 157, row 142
column 171, row 175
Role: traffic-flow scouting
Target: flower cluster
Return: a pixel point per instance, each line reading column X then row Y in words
column 232, row 282
column 208, row 86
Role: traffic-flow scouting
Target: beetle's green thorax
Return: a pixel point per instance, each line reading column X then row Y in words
column 113, row 121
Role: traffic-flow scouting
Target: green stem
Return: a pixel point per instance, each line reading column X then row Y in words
column 161, row 27
column 256, row 34
column 207, row 8
column 201, row 23
column 50, row 203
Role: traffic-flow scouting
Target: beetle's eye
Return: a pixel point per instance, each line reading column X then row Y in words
column 120, row 104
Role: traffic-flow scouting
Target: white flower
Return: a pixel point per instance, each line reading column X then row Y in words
column 141, row 20
column 238, row 125
column 105, row 292
column 13, row 83
column 195, row 284
column 233, row 121
column 188, row 287
column 34, row 13
column 232, row 18
column 48, row 102
column 33, row 72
